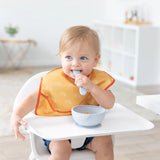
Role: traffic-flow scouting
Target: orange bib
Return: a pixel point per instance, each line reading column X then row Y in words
column 58, row 92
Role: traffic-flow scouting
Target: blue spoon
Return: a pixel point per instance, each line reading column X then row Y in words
column 82, row 90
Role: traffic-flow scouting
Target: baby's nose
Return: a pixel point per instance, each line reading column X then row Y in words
column 76, row 63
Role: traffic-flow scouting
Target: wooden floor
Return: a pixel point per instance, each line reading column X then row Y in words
column 139, row 145
column 143, row 145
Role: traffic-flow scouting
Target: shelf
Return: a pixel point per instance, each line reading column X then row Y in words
column 130, row 53
column 120, row 78
column 122, row 25
column 118, row 63
column 116, row 51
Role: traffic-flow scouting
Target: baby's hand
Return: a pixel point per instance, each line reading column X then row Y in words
column 84, row 81
column 16, row 122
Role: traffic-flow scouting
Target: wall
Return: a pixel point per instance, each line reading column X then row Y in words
column 115, row 9
column 44, row 21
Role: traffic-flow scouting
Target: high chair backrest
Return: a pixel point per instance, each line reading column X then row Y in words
column 30, row 85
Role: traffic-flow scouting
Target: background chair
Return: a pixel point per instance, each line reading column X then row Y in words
column 38, row 150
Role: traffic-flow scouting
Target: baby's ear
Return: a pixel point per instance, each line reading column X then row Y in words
column 58, row 53
column 98, row 56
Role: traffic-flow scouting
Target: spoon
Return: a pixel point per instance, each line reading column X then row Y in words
column 82, row 90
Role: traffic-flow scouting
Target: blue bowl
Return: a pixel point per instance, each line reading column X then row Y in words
column 88, row 115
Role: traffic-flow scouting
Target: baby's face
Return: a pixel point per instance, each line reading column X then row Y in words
column 80, row 56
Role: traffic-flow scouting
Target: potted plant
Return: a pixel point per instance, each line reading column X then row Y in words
column 11, row 30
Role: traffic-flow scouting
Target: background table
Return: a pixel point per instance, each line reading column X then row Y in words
column 117, row 120
column 151, row 102
column 16, row 51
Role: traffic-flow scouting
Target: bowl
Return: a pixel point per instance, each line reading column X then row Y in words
column 88, row 115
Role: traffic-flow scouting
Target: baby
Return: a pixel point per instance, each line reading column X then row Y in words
column 79, row 49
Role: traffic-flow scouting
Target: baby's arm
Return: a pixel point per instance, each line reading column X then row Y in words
column 104, row 98
column 27, row 105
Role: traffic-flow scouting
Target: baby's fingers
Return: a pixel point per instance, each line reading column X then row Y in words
column 23, row 123
column 18, row 134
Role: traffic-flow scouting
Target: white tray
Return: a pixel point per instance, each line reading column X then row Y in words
column 117, row 120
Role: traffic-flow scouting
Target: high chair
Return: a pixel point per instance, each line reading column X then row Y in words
column 119, row 119
column 39, row 151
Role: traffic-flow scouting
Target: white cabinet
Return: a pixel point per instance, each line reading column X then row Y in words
column 130, row 53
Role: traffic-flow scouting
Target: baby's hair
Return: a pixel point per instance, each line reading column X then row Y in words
column 76, row 34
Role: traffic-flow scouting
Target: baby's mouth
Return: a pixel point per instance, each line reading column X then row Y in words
column 76, row 70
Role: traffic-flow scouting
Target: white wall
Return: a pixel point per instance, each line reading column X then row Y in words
column 44, row 21
column 115, row 9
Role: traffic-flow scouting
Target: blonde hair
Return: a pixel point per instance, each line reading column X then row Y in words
column 76, row 34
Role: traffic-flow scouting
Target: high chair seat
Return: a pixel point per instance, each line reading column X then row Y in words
column 39, row 151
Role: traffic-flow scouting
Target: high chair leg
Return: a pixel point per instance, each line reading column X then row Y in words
column 32, row 156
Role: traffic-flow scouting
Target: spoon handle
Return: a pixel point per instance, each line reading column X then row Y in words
column 82, row 90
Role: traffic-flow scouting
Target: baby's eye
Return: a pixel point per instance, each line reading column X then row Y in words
column 68, row 57
column 83, row 58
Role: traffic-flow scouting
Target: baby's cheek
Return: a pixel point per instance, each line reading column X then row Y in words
column 65, row 66
column 87, row 69
column 66, row 69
